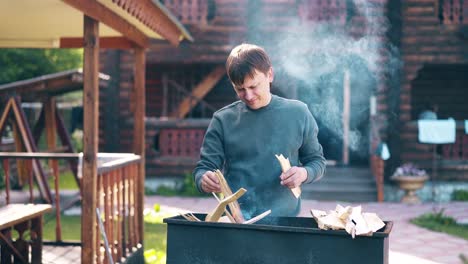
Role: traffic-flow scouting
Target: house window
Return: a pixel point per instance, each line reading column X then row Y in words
column 191, row 11
column 323, row 10
column 453, row 12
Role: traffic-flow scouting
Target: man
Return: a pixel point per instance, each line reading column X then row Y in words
column 243, row 138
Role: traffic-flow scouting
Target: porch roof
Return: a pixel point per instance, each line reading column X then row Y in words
column 57, row 23
column 49, row 85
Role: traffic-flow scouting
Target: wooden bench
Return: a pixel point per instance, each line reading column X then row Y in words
column 21, row 217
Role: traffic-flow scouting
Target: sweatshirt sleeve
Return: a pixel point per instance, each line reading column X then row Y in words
column 311, row 152
column 211, row 152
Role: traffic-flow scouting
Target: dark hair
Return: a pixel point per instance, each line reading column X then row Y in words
column 243, row 60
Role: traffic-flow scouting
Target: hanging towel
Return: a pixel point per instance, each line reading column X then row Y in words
column 437, row 131
column 466, row 126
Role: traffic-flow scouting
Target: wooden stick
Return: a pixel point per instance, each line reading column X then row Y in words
column 226, row 190
column 285, row 166
column 218, row 211
column 229, row 215
column 346, row 116
column 258, row 217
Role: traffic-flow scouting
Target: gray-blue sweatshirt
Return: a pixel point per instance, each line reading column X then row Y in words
column 243, row 142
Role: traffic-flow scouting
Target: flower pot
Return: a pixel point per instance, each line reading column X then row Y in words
column 410, row 184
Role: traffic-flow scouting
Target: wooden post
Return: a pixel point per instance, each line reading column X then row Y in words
column 50, row 125
column 90, row 140
column 346, row 113
column 139, row 134
column 6, row 169
column 36, row 245
column 165, row 95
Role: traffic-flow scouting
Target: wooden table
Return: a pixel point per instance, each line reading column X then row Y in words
column 21, row 217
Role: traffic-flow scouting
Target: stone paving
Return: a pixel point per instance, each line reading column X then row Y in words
column 409, row 244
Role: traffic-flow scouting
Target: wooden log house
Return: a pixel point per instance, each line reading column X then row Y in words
column 422, row 45
column 93, row 25
column 186, row 85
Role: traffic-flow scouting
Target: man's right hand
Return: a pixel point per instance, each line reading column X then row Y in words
column 210, row 182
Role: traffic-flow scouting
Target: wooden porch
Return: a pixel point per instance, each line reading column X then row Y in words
column 111, row 189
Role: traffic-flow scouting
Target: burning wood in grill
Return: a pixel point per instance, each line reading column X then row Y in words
column 218, row 211
column 226, row 191
column 235, row 216
column 285, row 166
column 349, row 218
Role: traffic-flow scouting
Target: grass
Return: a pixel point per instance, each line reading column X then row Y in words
column 155, row 232
column 441, row 223
column 66, row 182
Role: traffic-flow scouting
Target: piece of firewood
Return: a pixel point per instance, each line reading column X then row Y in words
column 258, row 217
column 356, row 225
column 285, row 166
column 218, row 211
column 228, row 215
column 224, row 219
column 373, row 221
column 226, row 191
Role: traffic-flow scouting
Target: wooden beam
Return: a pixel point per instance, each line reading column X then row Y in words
column 90, row 140
column 102, row 14
column 30, row 146
column 199, row 92
column 49, row 111
column 346, row 116
column 139, row 132
column 104, row 43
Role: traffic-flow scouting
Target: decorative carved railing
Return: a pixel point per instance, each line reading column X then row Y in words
column 183, row 142
column 178, row 140
column 459, row 150
column 453, row 12
column 197, row 12
column 323, row 11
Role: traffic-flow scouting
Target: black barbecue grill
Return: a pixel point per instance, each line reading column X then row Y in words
column 295, row 240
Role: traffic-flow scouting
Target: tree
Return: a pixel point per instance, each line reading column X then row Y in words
column 20, row 64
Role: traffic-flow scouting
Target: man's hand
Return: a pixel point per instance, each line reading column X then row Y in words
column 210, row 182
column 294, row 177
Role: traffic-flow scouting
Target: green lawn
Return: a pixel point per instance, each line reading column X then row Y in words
column 440, row 223
column 66, row 182
column 155, row 233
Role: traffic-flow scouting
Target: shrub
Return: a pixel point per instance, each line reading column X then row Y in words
column 186, row 188
column 460, row 195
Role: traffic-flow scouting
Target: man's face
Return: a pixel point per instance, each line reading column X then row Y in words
column 255, row 92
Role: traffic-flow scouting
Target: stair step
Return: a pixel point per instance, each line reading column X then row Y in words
column 351, row 184
column 341, row 196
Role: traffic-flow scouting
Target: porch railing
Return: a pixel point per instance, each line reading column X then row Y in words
column 117, row 199
column 452, row 12
column 459, row 150
column 195, row 12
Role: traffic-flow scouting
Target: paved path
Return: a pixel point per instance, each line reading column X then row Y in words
column 409, row 244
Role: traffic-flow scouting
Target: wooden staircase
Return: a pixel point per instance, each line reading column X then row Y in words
column 348, row 184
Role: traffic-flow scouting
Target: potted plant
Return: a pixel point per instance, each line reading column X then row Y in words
column 410, row 178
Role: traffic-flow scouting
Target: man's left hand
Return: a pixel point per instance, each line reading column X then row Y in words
column 294, row 177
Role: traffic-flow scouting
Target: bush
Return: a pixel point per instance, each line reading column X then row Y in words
column 186, row 188
column 460, row 195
